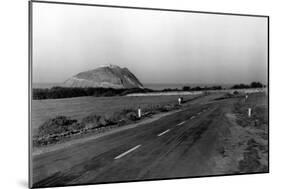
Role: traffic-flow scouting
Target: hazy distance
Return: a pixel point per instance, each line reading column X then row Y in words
column 157, row 46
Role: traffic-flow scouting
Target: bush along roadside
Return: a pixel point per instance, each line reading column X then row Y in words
column 59, row 128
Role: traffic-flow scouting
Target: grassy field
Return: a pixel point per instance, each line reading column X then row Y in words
column 79, row 107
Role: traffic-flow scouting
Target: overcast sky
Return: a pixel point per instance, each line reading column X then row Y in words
column 157, row 46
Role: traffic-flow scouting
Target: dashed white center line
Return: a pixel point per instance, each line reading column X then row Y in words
column 192, row 117
column 181, row 123
column 163, row 132
column 125, row 153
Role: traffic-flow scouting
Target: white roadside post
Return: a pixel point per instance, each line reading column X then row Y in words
column 139, row 112
column 246, row 97
column 249, row 112
column 179, row 100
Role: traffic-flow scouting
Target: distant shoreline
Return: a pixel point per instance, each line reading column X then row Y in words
column 254, row 90
column 153, row 86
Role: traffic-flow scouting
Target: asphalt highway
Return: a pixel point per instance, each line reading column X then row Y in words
column 183, row 144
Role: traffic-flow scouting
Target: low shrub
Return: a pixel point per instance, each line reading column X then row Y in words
column 93, row 120
column 57, row 125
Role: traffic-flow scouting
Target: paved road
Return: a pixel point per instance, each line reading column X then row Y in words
column 179, row 145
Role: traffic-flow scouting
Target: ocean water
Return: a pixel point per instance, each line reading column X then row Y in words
column 155, row 86
column 45, row 85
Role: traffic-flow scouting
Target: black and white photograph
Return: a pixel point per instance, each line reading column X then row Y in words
column 122, row 94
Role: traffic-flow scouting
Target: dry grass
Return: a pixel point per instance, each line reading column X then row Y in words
column 80, row 107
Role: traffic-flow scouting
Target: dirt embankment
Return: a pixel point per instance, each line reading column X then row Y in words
column 246, row 148
column 256, row 148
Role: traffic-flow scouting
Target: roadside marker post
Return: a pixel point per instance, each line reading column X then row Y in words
column 249, row 112
column 139, row 112
column 179, row 100
column 246, row 97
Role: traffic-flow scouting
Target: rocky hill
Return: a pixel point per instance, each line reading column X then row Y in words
column 107, row 76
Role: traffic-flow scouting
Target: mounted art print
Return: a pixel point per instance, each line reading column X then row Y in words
column 122, row 94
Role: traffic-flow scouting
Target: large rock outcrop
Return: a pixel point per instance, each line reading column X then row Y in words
column 107, row 76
